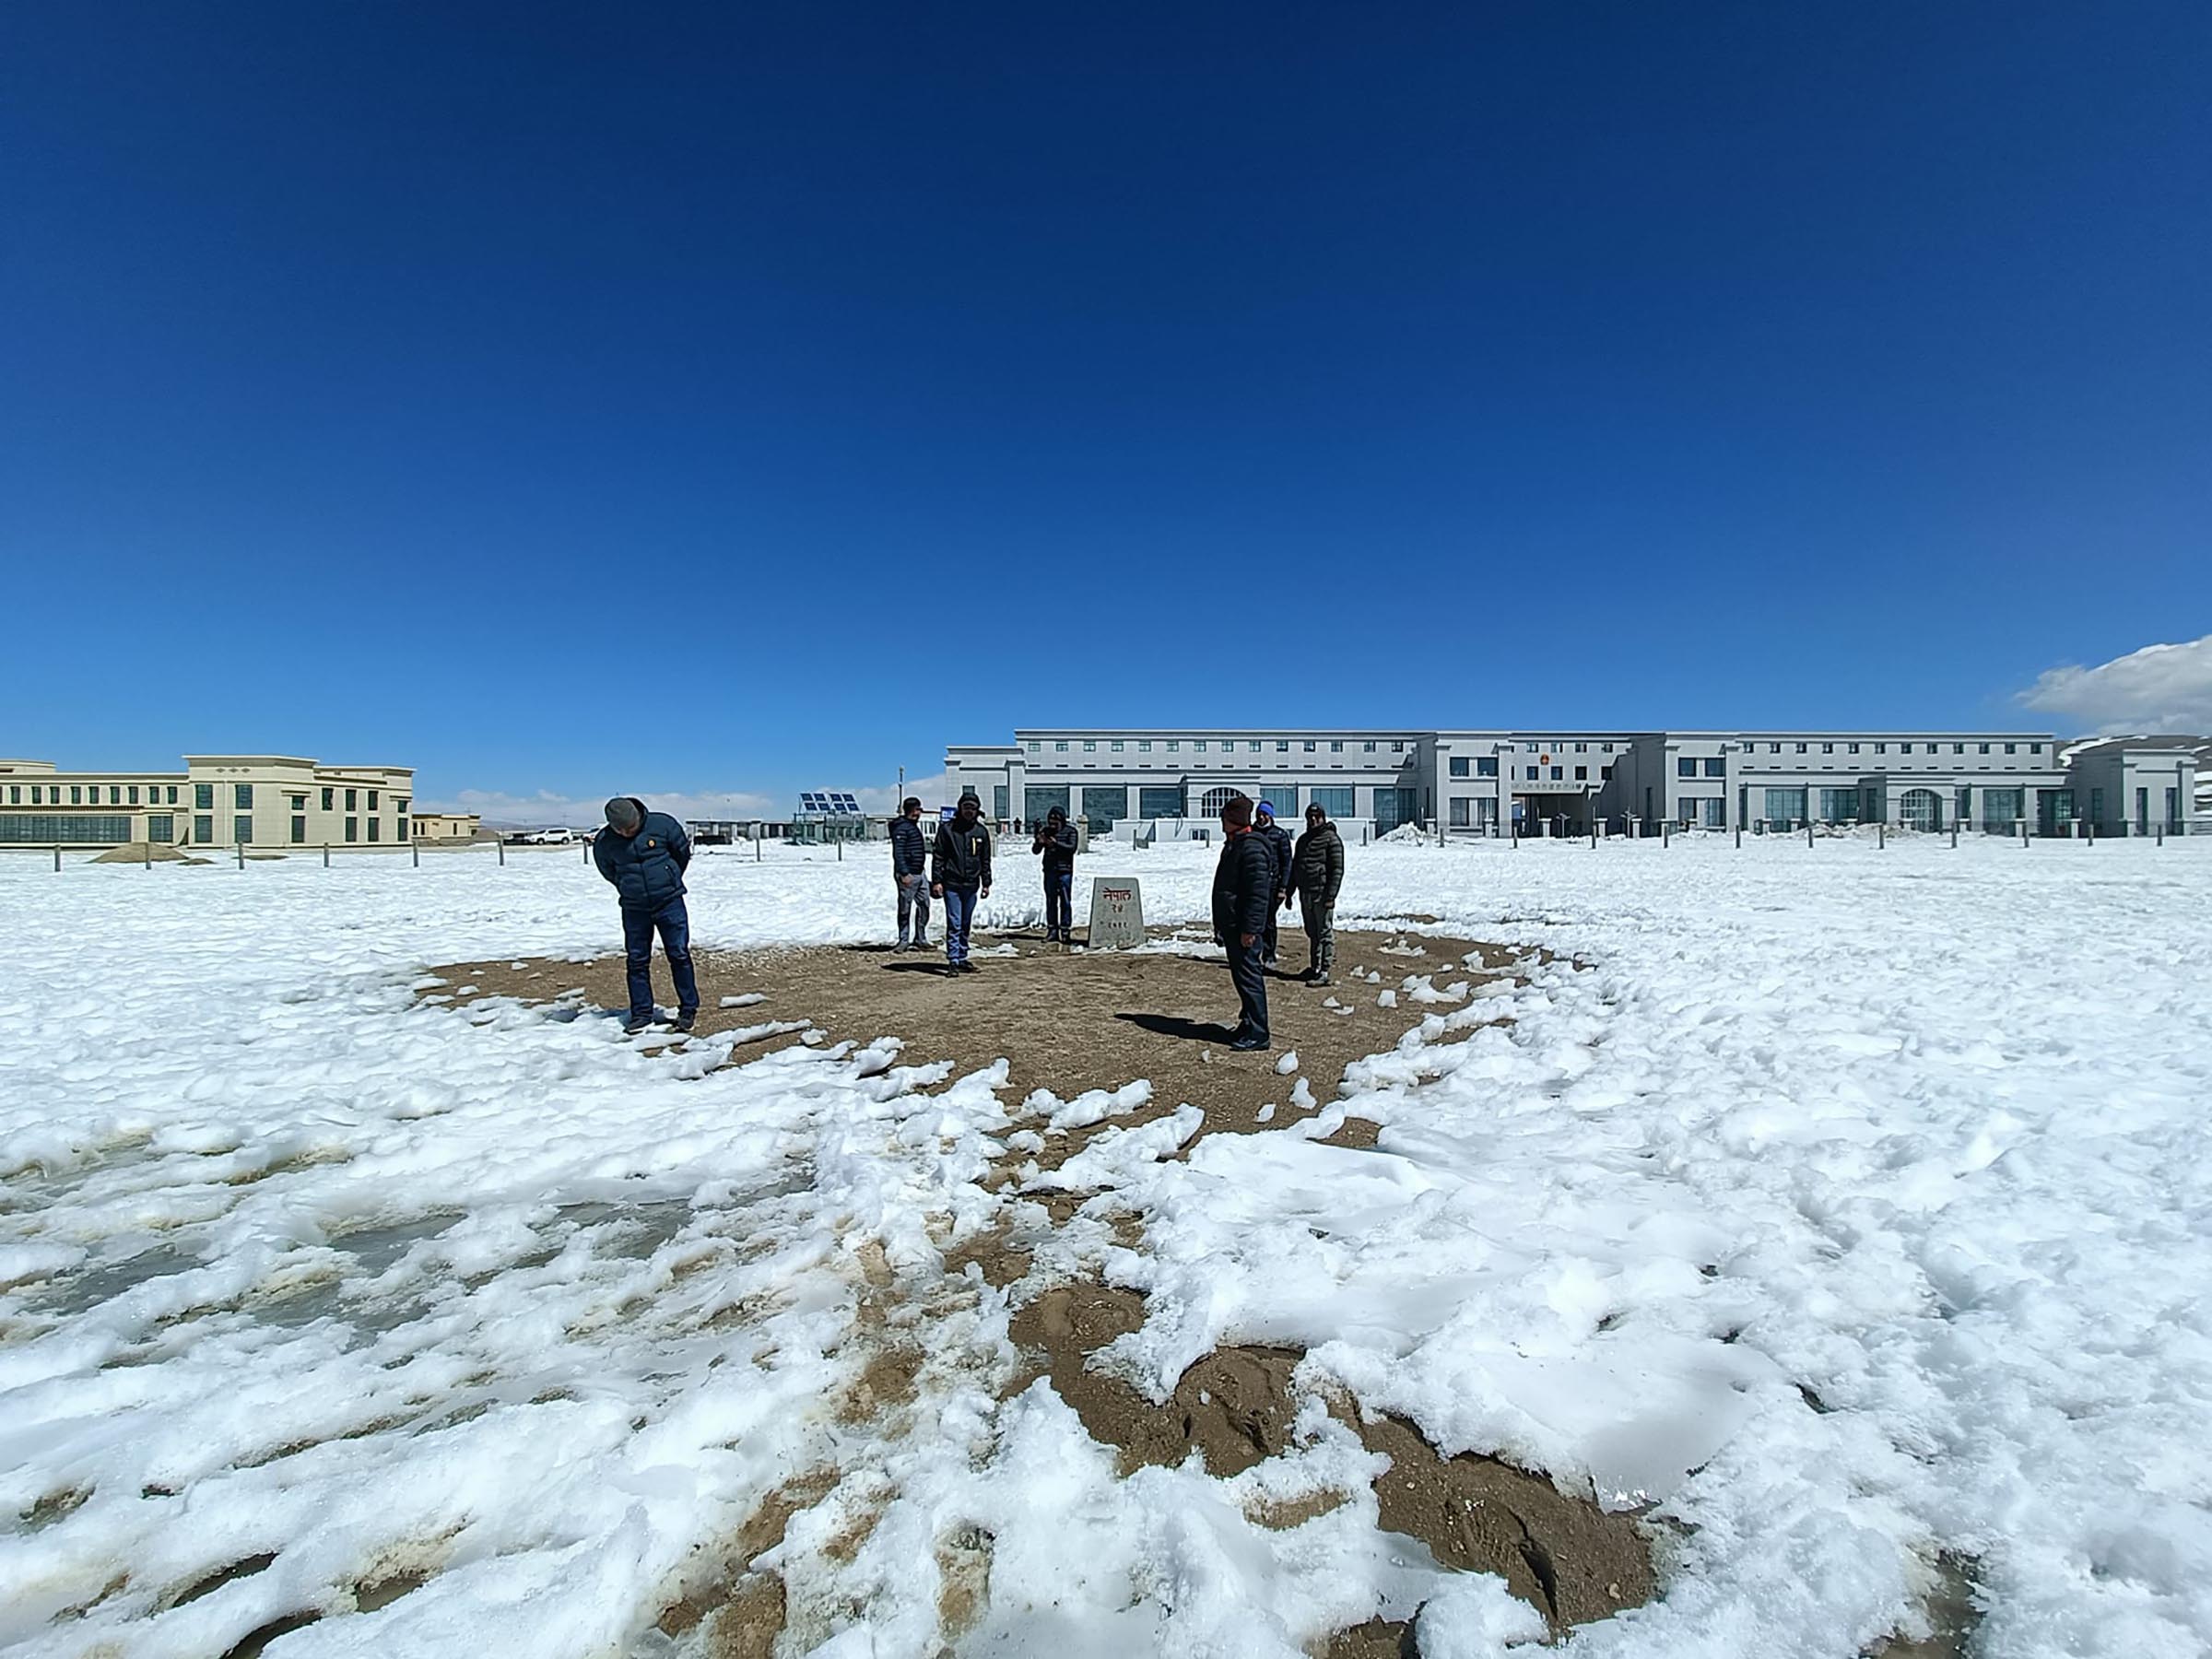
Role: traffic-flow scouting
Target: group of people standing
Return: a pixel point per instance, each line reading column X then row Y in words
column 642, row 854
column 1261, row 873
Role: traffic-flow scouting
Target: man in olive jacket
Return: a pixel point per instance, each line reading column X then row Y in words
column 1244, row 889
column 1316, row 872
column 643, row 856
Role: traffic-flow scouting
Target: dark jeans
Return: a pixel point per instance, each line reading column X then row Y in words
column 1059, row 901
column 674, row 926
column 960, row 915
column 1321, row 931
column 1267, row 939
column 1251, row 980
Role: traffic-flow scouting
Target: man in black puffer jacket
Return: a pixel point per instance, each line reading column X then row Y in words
column 643, row 856
column 909, row 871
column 1055, row 842
column 1245, row 888
column 1316, row 872
column 1279, row 843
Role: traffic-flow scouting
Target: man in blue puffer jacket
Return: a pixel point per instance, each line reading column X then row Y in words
column 643, row 855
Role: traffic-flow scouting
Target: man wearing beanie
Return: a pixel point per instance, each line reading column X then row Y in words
column 960, row 872
column 1279, row 843
column 643, row 855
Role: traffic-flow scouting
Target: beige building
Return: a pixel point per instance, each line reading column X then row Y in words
column 262, row 801
column 447, row 826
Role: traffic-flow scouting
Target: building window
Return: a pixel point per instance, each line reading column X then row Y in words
column 375, row 828
column 1459, row 766
column 1530, row 748
column 242, row 830
column 1717, row 766
column 2000, row 807
column 1397, row 749
column 1559, row 774
column 1032, row 746
column 299, row 831
column 1282, row 746
column 1309, row 746
column 1090, row 746
column 352, row 801
column 1002, row 813
column 329, row 801
column 1213, row 800
column 373, row 800
column 1159, row 801
column 1582, row 774
column 1983, row 747
column 1958, row 749
column 1532, row 774
column 2035, row 748
column 1200, row 746
column 77, row 794
column 1459, row 812
column 1785, row 807
column 1828, row 749
column 1881, row 748
column 1582, row 749
column 353, row 830
column 1801, row 749
column 134, row 795
column 1144, row 745
column 1336, row 746
column 2096, row 807
column 160, row 826
column 1060, row 745
column 1852, row 747
column 69, row 827
column 1486, row 765
column 1773, row 748
column 1252, row 746
column 1333, row 800
column 241, row 797
column 1174, row 743
column 1369, row 747
column 2011, row 749
column 37, row 794
column 14, row 795
column 1839, row 806
column 1685, row 766
column 298, row 802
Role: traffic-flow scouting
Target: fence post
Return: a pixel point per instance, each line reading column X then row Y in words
column 150, row 852
column 1809, row 831
column 1954, row 831
column 1667, row 832
column 416, row 847
column 587, row 853
column 58, row 858
column 841, row 849
column 1881, row 833
column 326, row 855
column 241, row 855
column 1594, row 829
column 1739, row 834
column 501, row 845
column 2023, row 823
column 2161, row 835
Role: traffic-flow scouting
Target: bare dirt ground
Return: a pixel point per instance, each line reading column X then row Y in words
column 1073, row 1021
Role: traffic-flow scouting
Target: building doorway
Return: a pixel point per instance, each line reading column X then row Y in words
column 1919, row 809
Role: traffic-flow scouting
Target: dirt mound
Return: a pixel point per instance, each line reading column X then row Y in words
column 139, row 853
column 1235, row 1407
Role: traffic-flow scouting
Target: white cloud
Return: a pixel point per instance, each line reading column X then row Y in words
column 547, row 808
column 884, row 802
column 2157, row 689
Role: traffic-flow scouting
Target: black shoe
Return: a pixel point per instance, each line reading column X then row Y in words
column 970, row 968
column 1321, row 978
column 685, row 1018
column 633, row 1025
column 1245, row 1045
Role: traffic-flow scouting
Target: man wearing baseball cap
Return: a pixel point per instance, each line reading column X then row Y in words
column 643, row 855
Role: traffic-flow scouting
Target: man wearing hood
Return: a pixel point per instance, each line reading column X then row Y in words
column 1278, row 848
column 1316, row 872
column 960, row 872
column 1055, row 843
column 643, row 855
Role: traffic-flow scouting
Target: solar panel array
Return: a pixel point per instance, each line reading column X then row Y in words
column 829, row 801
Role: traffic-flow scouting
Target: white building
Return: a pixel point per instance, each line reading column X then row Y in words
column 1491, row 782
column 267, row 801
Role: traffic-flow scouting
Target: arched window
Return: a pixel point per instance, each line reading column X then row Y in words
column 1919, row 809
column 1211, row 804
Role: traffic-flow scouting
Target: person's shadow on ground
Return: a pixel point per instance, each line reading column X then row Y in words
column 918, row 965
column 1175, row 1025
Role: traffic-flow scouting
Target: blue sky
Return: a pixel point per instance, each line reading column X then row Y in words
column 745, row 398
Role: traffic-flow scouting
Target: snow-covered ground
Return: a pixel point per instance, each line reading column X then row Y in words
column 1849, row 1204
